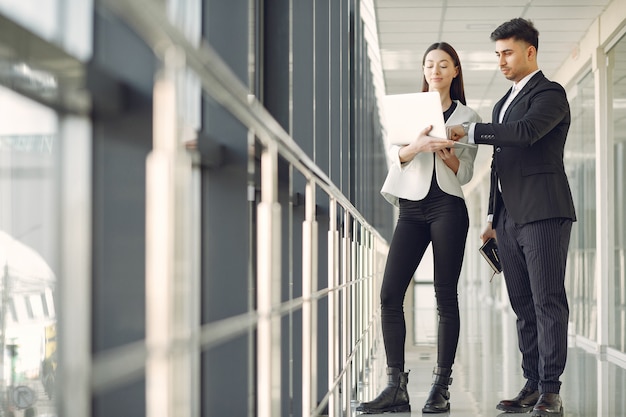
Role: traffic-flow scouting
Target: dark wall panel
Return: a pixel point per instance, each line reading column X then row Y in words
column 122, row 139
column 226, row 230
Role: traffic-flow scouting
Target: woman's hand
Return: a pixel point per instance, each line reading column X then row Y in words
column 423, row 143
column 449, row 158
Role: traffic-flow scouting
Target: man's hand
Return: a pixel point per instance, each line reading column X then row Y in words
column 455, row 132
column 488, row 233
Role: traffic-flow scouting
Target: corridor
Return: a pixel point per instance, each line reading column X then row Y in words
column 488, row 370
column 191, row 222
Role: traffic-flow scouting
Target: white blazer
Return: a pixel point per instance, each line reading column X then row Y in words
column 411, row 180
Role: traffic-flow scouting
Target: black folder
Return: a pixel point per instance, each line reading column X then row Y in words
column 489, row 251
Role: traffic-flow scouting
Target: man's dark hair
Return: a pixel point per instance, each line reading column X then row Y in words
column 519, row 29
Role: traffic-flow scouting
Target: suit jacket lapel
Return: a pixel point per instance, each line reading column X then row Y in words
column 529, row 86
column 495, row 117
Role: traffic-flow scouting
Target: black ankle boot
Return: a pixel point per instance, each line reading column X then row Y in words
column 439, row 396
column 393, row 399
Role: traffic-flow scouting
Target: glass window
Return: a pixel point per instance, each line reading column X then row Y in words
column 38, row 16
column 581, row 170
column 617, row 337
column 186, row 15
column 46, row 19
column 28, row 254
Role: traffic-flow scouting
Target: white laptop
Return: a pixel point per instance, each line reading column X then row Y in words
column 408, row 114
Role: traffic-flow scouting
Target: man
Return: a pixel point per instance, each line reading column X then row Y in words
column 530, row 211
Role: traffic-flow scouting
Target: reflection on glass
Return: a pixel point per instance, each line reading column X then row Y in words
column 617, row 337
column 581, row 171
column 27, row 253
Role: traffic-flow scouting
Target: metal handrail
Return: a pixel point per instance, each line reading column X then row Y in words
column 354, row 282
column 148, row 19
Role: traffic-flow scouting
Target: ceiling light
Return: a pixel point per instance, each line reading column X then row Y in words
column 479, row 26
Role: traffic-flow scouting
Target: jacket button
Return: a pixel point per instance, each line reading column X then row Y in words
column 498, row 149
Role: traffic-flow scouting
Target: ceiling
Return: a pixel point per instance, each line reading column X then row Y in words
column 407, row 27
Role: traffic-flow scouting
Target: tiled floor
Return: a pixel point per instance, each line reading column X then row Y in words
column 476, row 389
column 487, row 370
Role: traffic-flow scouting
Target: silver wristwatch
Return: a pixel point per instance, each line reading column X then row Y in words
column 466, row 127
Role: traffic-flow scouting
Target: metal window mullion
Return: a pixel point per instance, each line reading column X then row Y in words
column 333, row 307
column 184, row 282
column 169, row 255
column 160, row 246
column 268, row 287
column 367, row 309
column 309, row 307
column 345, row 313
column 357, row 312
column 367, row 305
column 605, row 216
column 352, row 299
column 604, row 155
column 361, row 308
column 74, row 289
column 195, row 300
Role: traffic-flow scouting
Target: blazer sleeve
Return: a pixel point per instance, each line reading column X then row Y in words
column 392, row 154
column 530, row 121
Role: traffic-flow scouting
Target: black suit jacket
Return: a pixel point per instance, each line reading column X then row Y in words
column 528, row 153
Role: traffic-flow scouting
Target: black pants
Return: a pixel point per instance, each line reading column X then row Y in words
column 441, row 219
column 534, row 258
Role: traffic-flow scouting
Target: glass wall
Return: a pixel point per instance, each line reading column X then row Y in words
column 29, row 192
column 581, row 171
column 617, row 336
column 48, row 20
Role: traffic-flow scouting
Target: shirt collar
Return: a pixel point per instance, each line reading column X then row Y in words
column 517, row 87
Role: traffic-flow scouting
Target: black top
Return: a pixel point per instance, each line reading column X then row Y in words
column 448, row 113
column 434, row 187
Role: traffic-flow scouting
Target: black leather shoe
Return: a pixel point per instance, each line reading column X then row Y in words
column 549, row 404
column 523, row 403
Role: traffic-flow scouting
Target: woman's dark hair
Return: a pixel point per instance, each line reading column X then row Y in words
column 457, row 91
column 519, row 29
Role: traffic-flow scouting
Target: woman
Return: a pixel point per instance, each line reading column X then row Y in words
column 425, row 181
